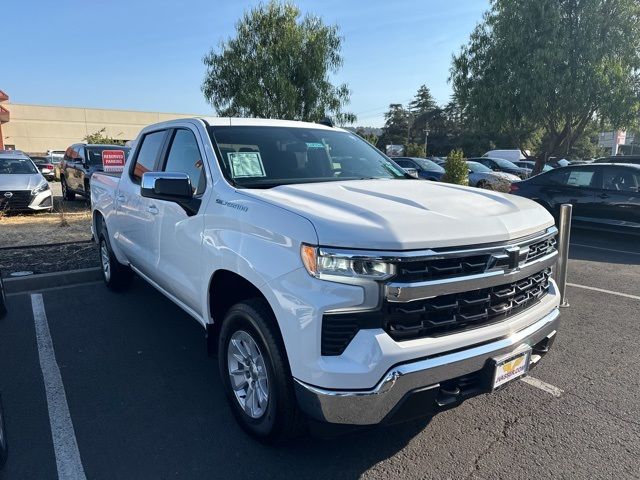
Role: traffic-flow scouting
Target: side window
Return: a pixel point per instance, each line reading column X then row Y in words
column 184, row 156
column 581, row 178
column 620, row 179
column 405, row 163
column 80, row 152
column 148, row 154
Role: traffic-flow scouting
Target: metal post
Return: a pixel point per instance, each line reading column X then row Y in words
column 564, row 227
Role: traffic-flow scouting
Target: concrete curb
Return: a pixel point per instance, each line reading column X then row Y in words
column 48, row 280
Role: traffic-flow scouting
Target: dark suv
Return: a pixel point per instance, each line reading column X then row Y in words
column 80, row 161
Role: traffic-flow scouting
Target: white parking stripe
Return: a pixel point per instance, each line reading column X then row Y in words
column 626, row 295
column 65, row 445
column 534, row 382
column 603, row 248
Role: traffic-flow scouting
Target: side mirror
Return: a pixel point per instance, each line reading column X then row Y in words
column 170, row 186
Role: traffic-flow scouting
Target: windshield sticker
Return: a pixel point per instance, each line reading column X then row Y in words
column 315, row 145
column 246, row 164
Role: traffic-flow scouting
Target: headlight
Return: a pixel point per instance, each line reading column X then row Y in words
column 322, row 264
column 40, row 188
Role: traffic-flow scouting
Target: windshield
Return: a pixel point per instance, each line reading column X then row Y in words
column 17, row 166
column 428, row 165
column 476, row 167
column 94, row 154
column 265, row 157
column 502, row 163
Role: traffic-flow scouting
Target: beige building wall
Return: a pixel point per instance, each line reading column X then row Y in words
column 38, row 128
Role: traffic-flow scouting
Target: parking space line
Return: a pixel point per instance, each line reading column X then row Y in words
column 65, row 445
column 547, row 387
column 603, row 248
column 626, row 295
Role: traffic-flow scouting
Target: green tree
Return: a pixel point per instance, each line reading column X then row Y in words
column 396, row 126
column 372, row 138
column 548, row 68
column 101, row 137
column 423, row 108
column 455, row 169
column 415, row 150
column 278, row 66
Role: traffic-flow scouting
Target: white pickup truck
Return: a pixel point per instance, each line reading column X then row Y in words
column 332, row 285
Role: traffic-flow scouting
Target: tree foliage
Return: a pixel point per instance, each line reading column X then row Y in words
column 547, row 68
column 397, row 122
column 101, row 137
column 372, row 138
column 456, row 169
column 278, row 66
column 415, row 150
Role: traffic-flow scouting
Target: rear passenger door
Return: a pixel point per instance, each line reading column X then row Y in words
column 577, row 186
column 618, row 203
column 176, row 236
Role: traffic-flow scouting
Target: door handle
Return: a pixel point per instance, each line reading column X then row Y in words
column 603, row 195
column 153, row 210
column 121, row 198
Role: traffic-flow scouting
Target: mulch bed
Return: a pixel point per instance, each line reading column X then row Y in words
column 48, row 258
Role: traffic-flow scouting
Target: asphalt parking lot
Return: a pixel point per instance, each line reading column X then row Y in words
column 144, row 399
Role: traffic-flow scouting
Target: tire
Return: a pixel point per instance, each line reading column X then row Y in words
column 3, row 300
column 278, row 418
column 66, row 193
column 117, row 277
column 481, row 184
column 4, row 448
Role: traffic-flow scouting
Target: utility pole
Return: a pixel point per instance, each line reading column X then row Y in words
column 426, row 138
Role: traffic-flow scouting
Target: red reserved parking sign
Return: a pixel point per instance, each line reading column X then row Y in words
column 113, row 160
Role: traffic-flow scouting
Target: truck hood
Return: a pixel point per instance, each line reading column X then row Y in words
column 27, row 181
column 407, row 214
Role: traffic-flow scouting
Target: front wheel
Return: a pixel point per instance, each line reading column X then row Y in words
column 116, row 276
column 66, row 193
column 255, row 373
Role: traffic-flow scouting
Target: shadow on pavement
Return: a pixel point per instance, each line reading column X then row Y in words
column 601, row 246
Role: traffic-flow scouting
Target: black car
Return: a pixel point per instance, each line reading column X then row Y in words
column 426, row 169
column 603, row 195
column 635, row 159
column 80, row 161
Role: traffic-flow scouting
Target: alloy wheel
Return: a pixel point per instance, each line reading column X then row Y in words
column 248, row 374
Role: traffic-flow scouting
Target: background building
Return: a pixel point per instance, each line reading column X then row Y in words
column 38, row 128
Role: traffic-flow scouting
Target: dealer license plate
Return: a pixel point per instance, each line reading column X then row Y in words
column 511, row 366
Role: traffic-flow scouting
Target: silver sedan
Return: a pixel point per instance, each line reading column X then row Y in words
column 483, row 177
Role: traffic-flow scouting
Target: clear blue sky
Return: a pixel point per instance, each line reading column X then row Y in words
column 147, row 55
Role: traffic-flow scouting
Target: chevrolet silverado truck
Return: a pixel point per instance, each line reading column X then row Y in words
column 331, row 285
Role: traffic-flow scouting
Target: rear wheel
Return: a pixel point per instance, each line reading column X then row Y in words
column 481, row 184
column 116, row 276
column 66, row 193
column 255, row 373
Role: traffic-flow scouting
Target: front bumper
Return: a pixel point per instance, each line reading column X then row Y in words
column 42, row 201
column 427, row 386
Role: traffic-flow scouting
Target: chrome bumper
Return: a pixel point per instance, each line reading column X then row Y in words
column 367, row 407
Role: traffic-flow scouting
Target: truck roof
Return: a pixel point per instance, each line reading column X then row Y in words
column 264, row 122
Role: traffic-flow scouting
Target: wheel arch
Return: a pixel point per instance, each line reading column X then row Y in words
column 227, row 288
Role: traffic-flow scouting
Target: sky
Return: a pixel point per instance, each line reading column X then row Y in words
column 147, row 55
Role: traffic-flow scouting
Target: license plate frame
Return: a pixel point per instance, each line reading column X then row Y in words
column 511, row 366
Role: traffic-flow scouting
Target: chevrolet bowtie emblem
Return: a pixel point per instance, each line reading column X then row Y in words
column 514, row 257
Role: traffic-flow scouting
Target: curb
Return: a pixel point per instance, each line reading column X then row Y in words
column 48, row 280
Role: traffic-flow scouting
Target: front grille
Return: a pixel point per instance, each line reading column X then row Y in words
column 540, row 249
column 460, row 311
column 437, row 316
column 19, row 200
column 417, row 271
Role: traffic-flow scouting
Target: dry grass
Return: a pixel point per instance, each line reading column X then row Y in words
column 69, row 222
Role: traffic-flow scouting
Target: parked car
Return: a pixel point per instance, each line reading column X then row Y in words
column 79, row 163
column 483, row 177
column 426, row 169
column 22, row 186
column 513, row 155
column 634, row 159
column 331, row 284
column 502, row 165
column 603, row 195
column 46, row 168
column 55, row 157
column 530, row 165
